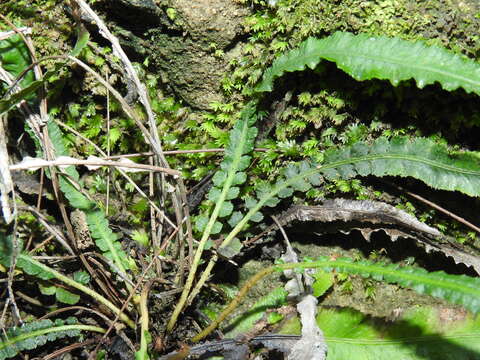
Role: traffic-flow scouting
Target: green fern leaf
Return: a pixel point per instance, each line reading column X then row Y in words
column 24, row 94
column 457, row 289
column 105, row 239
column 367, row 57
column 235, row 218
column 15, row 58
column 60, row 293
column 97, row 223
column 418, row 334
column 73, row 195
column 37, row 333
column 242, row 139
column 36, row 268
column 66, row 296
column 419, row 158
column 32, row 268
column 241, row 142
column 6, row 249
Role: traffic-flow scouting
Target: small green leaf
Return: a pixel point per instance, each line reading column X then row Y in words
column 201, row 223
column 141, row 237
column 81, row 277
column 244, row 162
column 15, row 58
column 272, row 201
column 250, row 202
column 235, row 218
column 209, row 245
column 315, row 179
column 301, row 185
column 323, row 282
column 262, row 189
column 232, row 193
column 12, row 100
column 285, row 192
column 257, row 217
column 239, row 178
column 219, row 178
column 274, row 317
column 290, row 171
column 82, row 40
column 47, row 289
column 32, row 269
column 66, row 296
column 216, row 228
column 6, row 249
column 226, row 209
column 214, row 194
column 231, row 249
column 75, row 197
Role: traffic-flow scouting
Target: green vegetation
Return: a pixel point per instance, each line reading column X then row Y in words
column 35, row 334
column 294, row 130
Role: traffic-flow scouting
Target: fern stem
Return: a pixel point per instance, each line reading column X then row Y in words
column 78, row 286
column 142, row 353
column 234, row 303
column 203, row 278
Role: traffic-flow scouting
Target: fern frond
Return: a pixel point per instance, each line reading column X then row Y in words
column 419, row 158
column 419, row 333
column 42, row 271
column 231, row 173
column 106, row 240
column 15, row 58
column 367, row 57
column 37, row 333
column 457, row 289
column 97, row 222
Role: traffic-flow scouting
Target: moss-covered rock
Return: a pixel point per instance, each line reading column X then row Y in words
column 190, row 43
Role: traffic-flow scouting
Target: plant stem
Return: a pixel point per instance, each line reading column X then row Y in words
column 142, row 353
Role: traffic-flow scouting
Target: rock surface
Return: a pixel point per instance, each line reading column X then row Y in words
column 189, row 42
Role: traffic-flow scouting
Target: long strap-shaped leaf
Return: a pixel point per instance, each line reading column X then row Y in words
column 457, row 289
column 366, row 57
column 419, row 158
